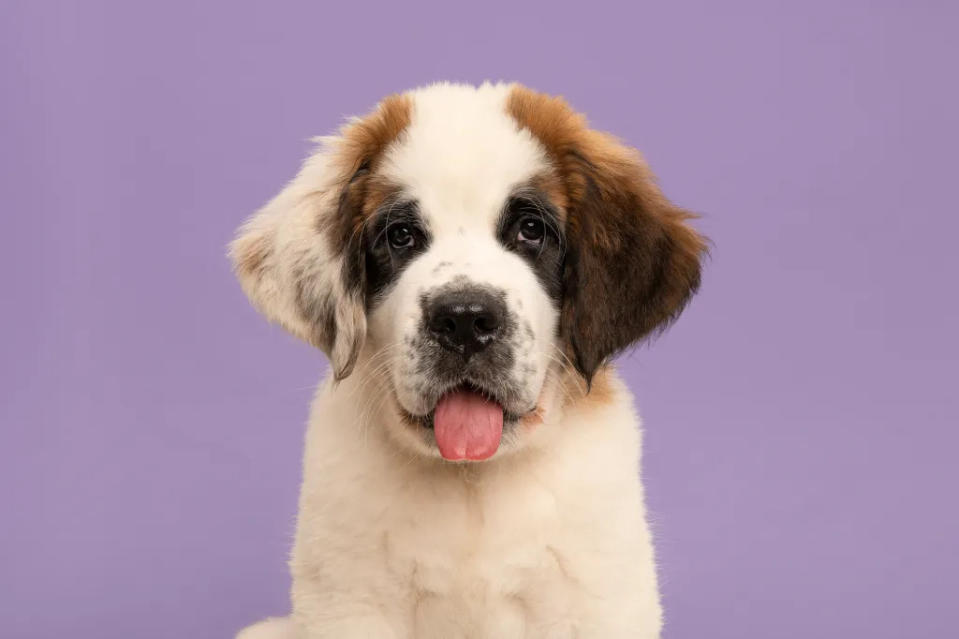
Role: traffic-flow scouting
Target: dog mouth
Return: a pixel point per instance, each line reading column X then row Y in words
column 467, row 422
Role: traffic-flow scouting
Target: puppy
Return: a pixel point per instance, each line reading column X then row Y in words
column 470, row 259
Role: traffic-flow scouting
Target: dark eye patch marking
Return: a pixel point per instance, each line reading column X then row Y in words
column 384, row 261
column 527, row 208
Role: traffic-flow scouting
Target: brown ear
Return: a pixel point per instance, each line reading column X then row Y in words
column 632, row 262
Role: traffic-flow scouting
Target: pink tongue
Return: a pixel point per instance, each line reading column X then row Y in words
column 467, row 426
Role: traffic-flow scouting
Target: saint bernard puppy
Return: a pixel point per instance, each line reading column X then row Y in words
column 470, row 259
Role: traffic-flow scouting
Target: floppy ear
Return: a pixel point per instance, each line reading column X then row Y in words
column 295, row 269
column 632, row 262
column 301, row 258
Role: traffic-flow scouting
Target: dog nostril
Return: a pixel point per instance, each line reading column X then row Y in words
column 484, row 324
column 444, row 325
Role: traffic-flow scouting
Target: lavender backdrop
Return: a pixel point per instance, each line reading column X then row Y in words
column 801, row 418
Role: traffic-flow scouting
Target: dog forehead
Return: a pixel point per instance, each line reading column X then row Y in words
column 462, row 155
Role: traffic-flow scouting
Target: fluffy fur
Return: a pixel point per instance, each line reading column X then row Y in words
column 548, row 537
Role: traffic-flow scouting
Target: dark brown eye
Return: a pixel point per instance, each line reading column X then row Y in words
column 400, row 236
column 531, row 230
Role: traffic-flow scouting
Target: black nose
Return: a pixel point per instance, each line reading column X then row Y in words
column 466, row 321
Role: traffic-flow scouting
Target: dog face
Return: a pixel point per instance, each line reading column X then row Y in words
column 468, row 249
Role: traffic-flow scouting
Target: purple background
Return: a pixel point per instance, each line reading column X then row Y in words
column 801, row 417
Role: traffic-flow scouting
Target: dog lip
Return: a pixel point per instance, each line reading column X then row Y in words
column 426, row 420
column 473, row 387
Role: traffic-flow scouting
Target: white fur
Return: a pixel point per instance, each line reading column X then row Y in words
column 548, row 538
column 460, row 159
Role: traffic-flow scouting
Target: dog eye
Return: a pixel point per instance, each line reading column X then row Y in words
column 400, row 236
column 531, row 230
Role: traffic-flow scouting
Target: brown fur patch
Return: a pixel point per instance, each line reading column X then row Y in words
column 552, row 185
column 365, row 140
column 379, row 190
column 632, row 261
column 362, row 144
column 600, row 391
column 574, row 392
column 533, row 419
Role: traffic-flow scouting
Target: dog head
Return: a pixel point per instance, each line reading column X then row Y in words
column 467, row 248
